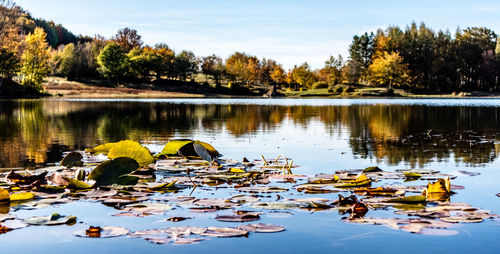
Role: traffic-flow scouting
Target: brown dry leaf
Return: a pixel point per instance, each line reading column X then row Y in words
column 238, row 218
column 102, row 232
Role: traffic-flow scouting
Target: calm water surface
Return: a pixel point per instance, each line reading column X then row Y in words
column 321, row 135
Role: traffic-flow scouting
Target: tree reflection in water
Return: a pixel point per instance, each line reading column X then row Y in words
column 36, row 132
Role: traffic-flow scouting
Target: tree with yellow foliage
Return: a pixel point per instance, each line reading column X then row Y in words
column 389, row 70
column 35, row 59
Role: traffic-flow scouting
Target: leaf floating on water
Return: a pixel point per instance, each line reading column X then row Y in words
column 238, row 218
column 75, row 184
column 22, row 196
column 439, row 190
column 4, row 195
column 202, row 151
column 165, row 186
column 224, row 232
column 412, row 175
column 379, row 191
column 262, row 189
column 102, row 232
column 177, row 219
column 29, row 179
column 133, row 150
column 359, row 181
column 108, row 172
column 372, row 169
column 51, row 220
column 409, row 199
column 262, row 228
column 101, row 148
column 73, row 159
column 173, row 146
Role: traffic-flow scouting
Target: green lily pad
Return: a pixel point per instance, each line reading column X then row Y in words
column 73, row 159
column 109, row 172
column 131, row 149
column 372, row 169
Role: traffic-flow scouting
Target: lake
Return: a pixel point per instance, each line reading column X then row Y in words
column 460, row 137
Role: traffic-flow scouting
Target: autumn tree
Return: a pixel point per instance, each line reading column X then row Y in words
column 185, row 65
column 303, row 76
column 128, row 39
column 213, row 66
column 113, row 62
column 34, row 60
column 165, row 65
column 332, row 72
column 9, row 39
column 389, row 70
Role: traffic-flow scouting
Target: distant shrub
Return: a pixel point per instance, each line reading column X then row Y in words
column 319, row 85
column 338, row 89
column 347, row 89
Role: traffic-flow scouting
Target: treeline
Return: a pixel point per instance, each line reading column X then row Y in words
column 415, row 58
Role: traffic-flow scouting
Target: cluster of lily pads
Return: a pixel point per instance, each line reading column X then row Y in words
column 126, row 176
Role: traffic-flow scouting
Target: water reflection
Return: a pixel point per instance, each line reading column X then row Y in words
column 36, row 132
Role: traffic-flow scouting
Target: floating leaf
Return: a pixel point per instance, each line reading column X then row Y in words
column 412, row 175
column 20, row 179
column 409, row 199
column 133, row 150
column 202, row 152
column 101, row 148
column 75, row 184
column 165, row 186
column 173, row 146
column 22, row 196
column 439, row 190
column 102, row 232
column 224, row 232
column 127, row 180
column 177, row 219
column 54, row 219
column 72, row 159
column 108, row 172
column 4, row 195
column 238, row 218
column 262, row 189
column 372, row 169
column 379, row 191
column 262, row 228
column 359, row 181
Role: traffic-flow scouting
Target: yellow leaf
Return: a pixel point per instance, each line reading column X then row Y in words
column 439, row 190
column 236, row 170
column 101, row 148
column 22, row 196
column 133, row 150
column 4, row 194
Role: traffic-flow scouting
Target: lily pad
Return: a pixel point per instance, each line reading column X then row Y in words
column 51, row 220
column 4, row 195
column 238, row 218
column 108, row 172
column 224, row 232
column 262, row 228
column 133, row 150
column 104, row 148
column 73, row 159
column 101, row 232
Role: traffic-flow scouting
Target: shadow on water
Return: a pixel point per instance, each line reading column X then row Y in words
column 36, row 132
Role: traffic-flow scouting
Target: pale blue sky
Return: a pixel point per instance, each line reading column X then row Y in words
column 288, row 31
